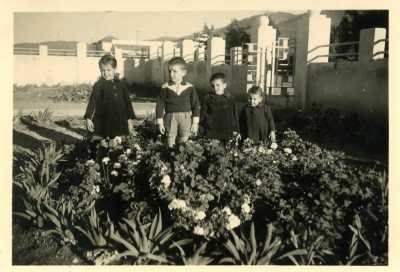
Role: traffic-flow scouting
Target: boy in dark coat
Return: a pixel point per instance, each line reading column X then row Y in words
column 256, row 120
column 109, row 112
column 218, row 112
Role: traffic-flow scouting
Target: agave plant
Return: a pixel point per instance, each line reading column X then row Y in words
column 94, row 230
column 42, row 116
column 245, row 250
column 197, row 258
column 145, row 242
column 40, row 173
column 32, row 212
column 61, row 221
column 303, row 254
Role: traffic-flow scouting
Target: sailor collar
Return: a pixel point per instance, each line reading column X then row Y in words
column 172, row 85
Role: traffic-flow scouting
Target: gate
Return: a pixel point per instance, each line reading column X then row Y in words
column 272, row 68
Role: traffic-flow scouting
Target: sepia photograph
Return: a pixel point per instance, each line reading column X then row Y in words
column 236, row 137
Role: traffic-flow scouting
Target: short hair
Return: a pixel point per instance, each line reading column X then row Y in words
column 255, row 90
column 108, row 59
column 177, row 61
column 216, row 76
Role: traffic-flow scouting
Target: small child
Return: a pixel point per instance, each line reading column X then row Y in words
column 109, row 112
column 256, row 120
column 178, row 106
column 218, row 113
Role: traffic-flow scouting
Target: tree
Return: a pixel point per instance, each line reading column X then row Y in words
column 353, row 22
column 236, row 35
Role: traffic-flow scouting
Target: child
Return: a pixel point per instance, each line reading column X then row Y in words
column 256, row 120
column 178, row 106
column 218, row 115
column 109, row 112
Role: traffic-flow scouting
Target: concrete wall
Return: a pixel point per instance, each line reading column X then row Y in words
column 350, row 87
column 50, row 70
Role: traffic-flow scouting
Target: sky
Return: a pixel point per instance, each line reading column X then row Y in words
column 93, row 26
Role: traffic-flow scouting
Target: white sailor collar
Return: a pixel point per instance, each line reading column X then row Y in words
column 172, row 86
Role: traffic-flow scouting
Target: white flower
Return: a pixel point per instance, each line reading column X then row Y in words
column 114, row 173
column 199, row 215
column 118, row 140
column 89, row 163
column 198, row 230
column 258, row 182
column 106, row 160
column 274, row 146
column 235, row 154
column 246, row 208
column 95, row 190
column 177, row 204
column 261, row 149
column 117, row 165
column 233, row 222
column 128, row 151
column 287, row 150
column 137, row 147
column 246, row 198
column 269, row 151
column 122, row 157
column 166, row 180
column 227, row 210
column 294, row 158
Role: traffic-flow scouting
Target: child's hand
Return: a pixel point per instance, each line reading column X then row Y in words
column 161, row 128
column 272, row 136
column 130, row 126
column 194, row 128
column 89, row 125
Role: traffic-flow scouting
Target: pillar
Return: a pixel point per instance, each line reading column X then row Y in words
column 313, row 30
column 372, row 44
column 188, row 48
column 43, row 50
column 264, row 36
column 120, row 61
column 215, row 53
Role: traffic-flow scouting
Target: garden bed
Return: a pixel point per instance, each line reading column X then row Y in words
column 135, row 201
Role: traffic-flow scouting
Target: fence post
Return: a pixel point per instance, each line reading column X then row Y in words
column 264, row 36
column 215, row 53
column 313, row 29
column 43, row 50
column 120, row 60
column 188, row 49
column 167, row 53
column 371, row 46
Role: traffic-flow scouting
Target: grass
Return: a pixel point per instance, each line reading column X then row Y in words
column 30, row 248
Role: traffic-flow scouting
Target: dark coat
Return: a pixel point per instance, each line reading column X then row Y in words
column 110, row 108
column 256, row 123
column 218, row 116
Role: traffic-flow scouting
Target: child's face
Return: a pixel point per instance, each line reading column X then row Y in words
column 254, row 99
column 219, row 86
column 107, row 71
column 177, row 73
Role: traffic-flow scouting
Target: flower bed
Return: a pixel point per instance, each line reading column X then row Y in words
column 142, row 202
